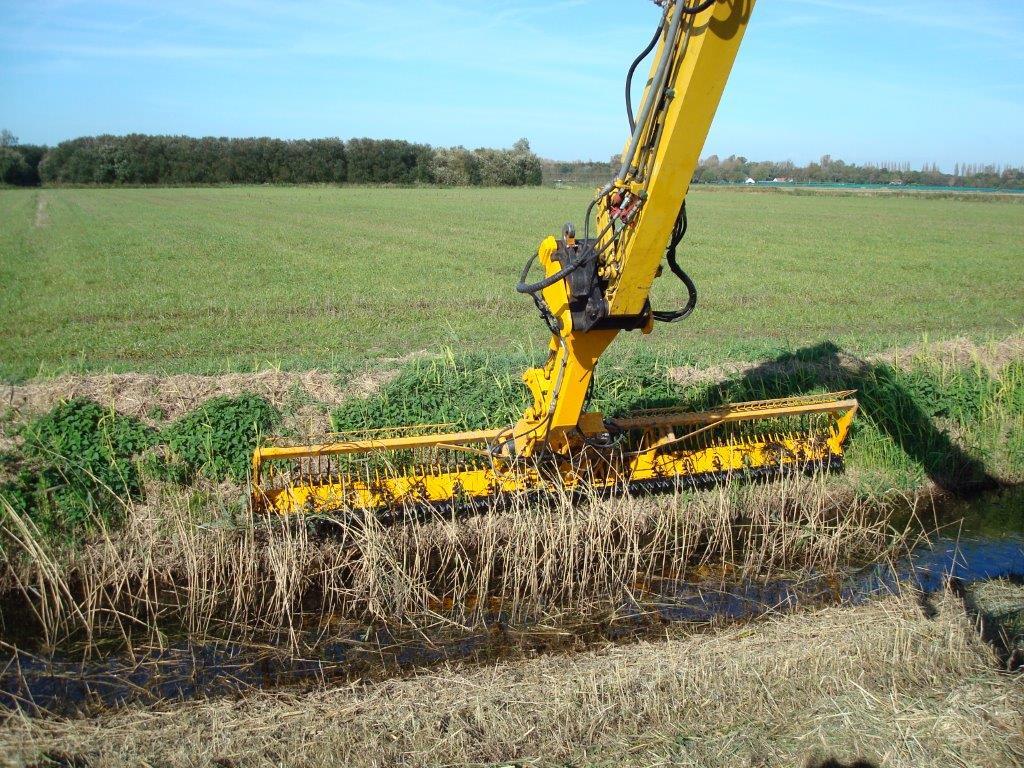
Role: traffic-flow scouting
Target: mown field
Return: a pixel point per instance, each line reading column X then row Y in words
column 217, row 279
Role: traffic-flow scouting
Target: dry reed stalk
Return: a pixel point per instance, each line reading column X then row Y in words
column 520, row 562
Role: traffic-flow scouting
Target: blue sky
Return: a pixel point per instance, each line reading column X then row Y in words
column 916, row 81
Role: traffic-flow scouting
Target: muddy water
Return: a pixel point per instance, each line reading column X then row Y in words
column 977, row 540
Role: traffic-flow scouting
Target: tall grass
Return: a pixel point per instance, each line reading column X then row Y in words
column 928, row 417
column 173, row 560
column 516, row 564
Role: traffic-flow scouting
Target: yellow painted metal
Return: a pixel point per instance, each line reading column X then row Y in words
column 667, row 445
column 698, row 63
column 422, row 485
column 369, row 445
column 559, row 387
column 701, row 64
column 754, row 409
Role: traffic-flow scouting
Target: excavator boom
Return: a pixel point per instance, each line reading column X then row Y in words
column 593, row 287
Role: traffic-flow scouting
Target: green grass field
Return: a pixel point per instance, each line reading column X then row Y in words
column 205, row 280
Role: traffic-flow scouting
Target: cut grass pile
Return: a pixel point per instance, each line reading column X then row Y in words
column 207, row 280
column 999, row 606
column 880, row 682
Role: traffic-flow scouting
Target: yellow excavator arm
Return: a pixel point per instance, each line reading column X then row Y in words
column 596, row 287
column 593, row 287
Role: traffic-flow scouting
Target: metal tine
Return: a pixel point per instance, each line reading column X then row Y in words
column 444, row 462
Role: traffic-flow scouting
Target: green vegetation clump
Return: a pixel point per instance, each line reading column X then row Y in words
column 471, row 392
column 637, row 382
column 78, row 461
column 218, row 438
column 955, row 425
column 480, row 391
column 81, row 463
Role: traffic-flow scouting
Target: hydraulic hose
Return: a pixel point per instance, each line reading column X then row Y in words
column 665, row 316
column 657, row 82
column 697, row 8
column 653, row 95
column 654, row 91
column 632, row 71
column 540, row 285
column 678, row 231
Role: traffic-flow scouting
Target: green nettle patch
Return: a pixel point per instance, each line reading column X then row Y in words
column 77, row 462
column 218, row 438
column 80, row 463
column 472, row 392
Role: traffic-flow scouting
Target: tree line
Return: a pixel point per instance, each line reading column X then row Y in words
column 138, row 159
column 737, row 169
column 828, row 170
column 19, row 163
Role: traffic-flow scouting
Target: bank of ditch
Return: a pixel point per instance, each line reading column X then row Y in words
column 126, row 536
column 123, row 513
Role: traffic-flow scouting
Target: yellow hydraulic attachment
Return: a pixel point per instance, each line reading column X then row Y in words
column 593, row 287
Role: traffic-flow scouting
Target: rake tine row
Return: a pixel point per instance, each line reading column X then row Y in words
column 659, row 451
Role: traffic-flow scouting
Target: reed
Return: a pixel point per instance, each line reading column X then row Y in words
column 189, row 556
column 517, row 564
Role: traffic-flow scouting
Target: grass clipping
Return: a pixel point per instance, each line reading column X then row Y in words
column 880, row 682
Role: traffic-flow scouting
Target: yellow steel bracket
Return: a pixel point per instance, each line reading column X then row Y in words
column 696, row 57
column 559, row 387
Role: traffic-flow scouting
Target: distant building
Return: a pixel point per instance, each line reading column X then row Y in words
column 782, row 180
column 749, row 181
